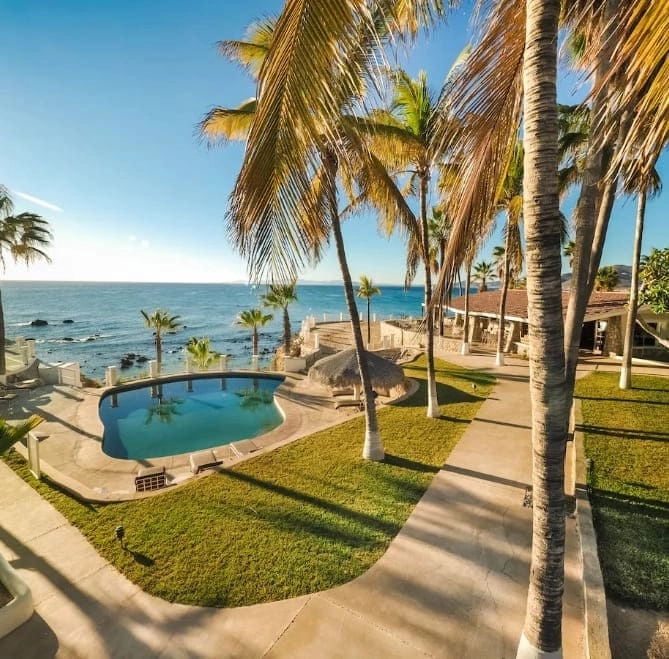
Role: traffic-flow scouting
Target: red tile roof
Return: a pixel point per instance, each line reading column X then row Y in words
column 601, row 305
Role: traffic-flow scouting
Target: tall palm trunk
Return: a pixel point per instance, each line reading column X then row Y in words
column 286, row 332
column 465, row 325
column 369, row 327
column 446, row 289
column 3, row 357
column 159, row 350
column 499, row 358
column 255, row 341
column 373, row 447
column 626, row 367
column 432, row 402
column 543, row 621
column 586, row 249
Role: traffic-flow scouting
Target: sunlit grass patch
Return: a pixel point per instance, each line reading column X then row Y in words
column 627, row 439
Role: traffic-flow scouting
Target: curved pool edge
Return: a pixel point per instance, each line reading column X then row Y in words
column 147, row 383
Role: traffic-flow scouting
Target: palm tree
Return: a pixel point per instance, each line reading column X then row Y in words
column 644, row 187
column 160, row 321
column 23, row 237
column 439, row 227
column 483, row 272
column 200, row 350
column 252, row 319
column 281, row 296
column 607, row 279
column 10, row 434
column 569, row 252
column 367, row 291
column 403, row 139
column 285, row 201
column 511, row 255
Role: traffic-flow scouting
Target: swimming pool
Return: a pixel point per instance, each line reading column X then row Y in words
column 174, row 416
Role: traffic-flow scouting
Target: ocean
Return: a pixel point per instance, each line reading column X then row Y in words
column 107, row 322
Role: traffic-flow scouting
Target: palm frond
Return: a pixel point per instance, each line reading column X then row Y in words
column 224, row 124
column 485, row 99
column 252, row 51
column 641, row 61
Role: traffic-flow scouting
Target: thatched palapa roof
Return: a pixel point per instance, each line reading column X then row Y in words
column 341, row 370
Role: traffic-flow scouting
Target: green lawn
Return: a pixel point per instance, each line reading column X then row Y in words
column 300, row 519
column 627, row 438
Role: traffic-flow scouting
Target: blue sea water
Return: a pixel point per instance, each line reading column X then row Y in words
column 108, row 323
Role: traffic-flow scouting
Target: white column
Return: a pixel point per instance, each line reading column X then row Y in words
column 31, row 347
column 153, row 368
column 254, row 362
column 25, row 355
column 341, row 316
column 111, row 377
column 223, row 362
column 317, row 340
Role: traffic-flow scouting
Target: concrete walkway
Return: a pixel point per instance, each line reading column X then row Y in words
column 453, row 583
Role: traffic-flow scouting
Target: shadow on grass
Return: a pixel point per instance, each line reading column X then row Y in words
column 626, row 433
column 618, row 399
column 632, row 541
column 368, row 521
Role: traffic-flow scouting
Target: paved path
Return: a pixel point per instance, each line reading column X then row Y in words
column 452, row 584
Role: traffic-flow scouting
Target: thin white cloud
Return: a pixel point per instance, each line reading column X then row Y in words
column 39, row 202
column 144, row 243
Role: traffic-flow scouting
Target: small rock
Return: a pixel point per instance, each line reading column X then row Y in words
column 38, row 322
column 69, row 321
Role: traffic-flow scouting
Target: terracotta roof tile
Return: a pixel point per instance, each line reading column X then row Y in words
column 601, row 305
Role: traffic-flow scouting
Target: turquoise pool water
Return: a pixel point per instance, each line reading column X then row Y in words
column 186, row 415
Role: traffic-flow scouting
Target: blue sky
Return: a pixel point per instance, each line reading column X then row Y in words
column 97, row 134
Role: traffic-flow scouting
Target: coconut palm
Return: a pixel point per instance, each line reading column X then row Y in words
column 23, row 237
column 569, row 252
column 438, row 230
column 509, row 259
column 281, row 296
column 607, row 278
column 200, row 350
column 252, row 319
column 367, row 291
column 285, row 202
column 10, row 434
column 644, row 186
column 403, row 139
column 160, row 321
column 483, row 272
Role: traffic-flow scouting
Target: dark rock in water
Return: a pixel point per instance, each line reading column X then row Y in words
column 68, row 338
column 130, row 355
column 141, row 359
column 38, row 322
column 89, row 338
column 69, row 321
column 127, row 363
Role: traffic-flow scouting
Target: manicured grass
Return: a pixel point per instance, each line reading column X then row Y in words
column 300, row 519
column 627, row 438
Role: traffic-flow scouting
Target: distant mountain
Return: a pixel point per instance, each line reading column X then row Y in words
column 624, row 277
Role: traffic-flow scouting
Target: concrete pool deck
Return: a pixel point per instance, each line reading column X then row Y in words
column 71, row 437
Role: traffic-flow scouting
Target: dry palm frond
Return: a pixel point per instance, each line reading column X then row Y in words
column 223, row 124
column 485, row 100
column 641, row 60
column 251, row 52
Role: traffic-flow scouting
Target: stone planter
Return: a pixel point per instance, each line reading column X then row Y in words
column 16, row 612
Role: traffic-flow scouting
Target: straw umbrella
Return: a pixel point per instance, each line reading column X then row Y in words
column 341, row 370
